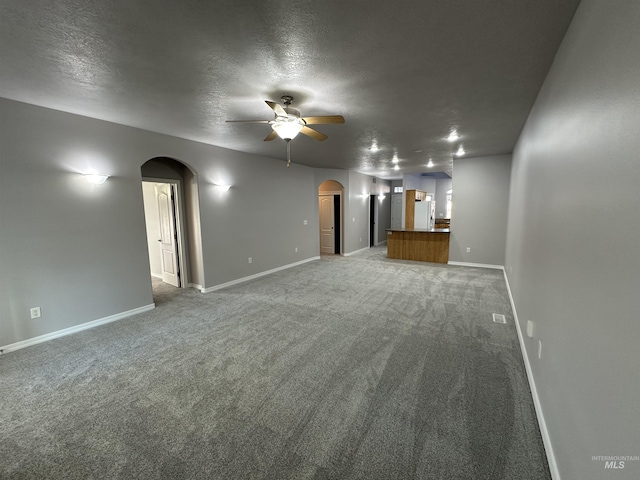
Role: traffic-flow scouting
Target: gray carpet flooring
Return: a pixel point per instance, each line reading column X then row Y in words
column 344, row 368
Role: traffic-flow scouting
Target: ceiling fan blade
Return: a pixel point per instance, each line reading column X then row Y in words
column 271, row 136
column 247, row 121
column 277, row 108
column 310, row 132
column 324, row 119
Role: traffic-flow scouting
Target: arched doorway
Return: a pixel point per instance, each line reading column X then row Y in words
column 330, row 193
column 170, row 198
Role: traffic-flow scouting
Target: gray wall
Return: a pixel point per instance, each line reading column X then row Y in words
column 479, row 210
column 261, row 216
column 76, row 250
column 442, row 185
column 396, row 183
column 357, row 221
column 415, row 181
column 384, row 212
column 193, row 229
column 79, row 251
column 573, row 256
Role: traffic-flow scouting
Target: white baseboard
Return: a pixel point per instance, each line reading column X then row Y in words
column 196, row 286
column 77, row 328
column 480, row 265
column 156, row 275
column 257, row 275
column 544, row 432
column 381, row 243
column 357, row 251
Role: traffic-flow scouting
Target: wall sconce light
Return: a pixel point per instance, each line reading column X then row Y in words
column 221, row 188
column 96, row 178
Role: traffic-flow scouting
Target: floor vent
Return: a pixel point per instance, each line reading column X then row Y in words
column 499, row 318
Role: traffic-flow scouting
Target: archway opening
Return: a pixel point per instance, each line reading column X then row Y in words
column 170, row 198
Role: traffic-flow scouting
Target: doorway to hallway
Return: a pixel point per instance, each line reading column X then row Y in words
column 172, row 213
column 164, row 235
column 330, row 217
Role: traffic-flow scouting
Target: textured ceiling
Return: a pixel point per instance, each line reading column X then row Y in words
column 403, row 74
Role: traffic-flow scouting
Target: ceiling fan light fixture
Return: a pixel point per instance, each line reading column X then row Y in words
column 287, row 127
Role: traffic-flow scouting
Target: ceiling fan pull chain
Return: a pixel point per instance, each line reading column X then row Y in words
column 288, row 152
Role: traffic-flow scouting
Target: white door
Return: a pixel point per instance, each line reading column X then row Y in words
column 168, row 235
column 396, row 210
column 327, row 230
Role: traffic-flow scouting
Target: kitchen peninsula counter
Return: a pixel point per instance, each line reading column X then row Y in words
column 423, row 245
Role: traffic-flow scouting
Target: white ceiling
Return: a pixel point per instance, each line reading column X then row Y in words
column 403, row 74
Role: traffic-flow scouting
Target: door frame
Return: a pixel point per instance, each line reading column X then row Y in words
column 180, row 225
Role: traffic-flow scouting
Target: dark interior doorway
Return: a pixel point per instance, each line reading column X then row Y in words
column 372, row 220
column 337, row 222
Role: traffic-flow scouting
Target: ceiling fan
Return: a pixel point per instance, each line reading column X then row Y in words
column 288, row 123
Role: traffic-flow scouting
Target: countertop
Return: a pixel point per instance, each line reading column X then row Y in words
column 420, row 230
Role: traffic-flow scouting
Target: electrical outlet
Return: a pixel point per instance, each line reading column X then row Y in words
column 305, row 222
column 353, row 219
column 296, row 249
column 250, row 260
column 468, row 249
column 360, row 239
column 35, row 312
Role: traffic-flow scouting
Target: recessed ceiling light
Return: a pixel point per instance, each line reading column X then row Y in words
column 395, row 159
column 418, row 151
column 453, row 136
column 460, row 151
column 430, row 164
column 374, row 147
column 397, row 167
